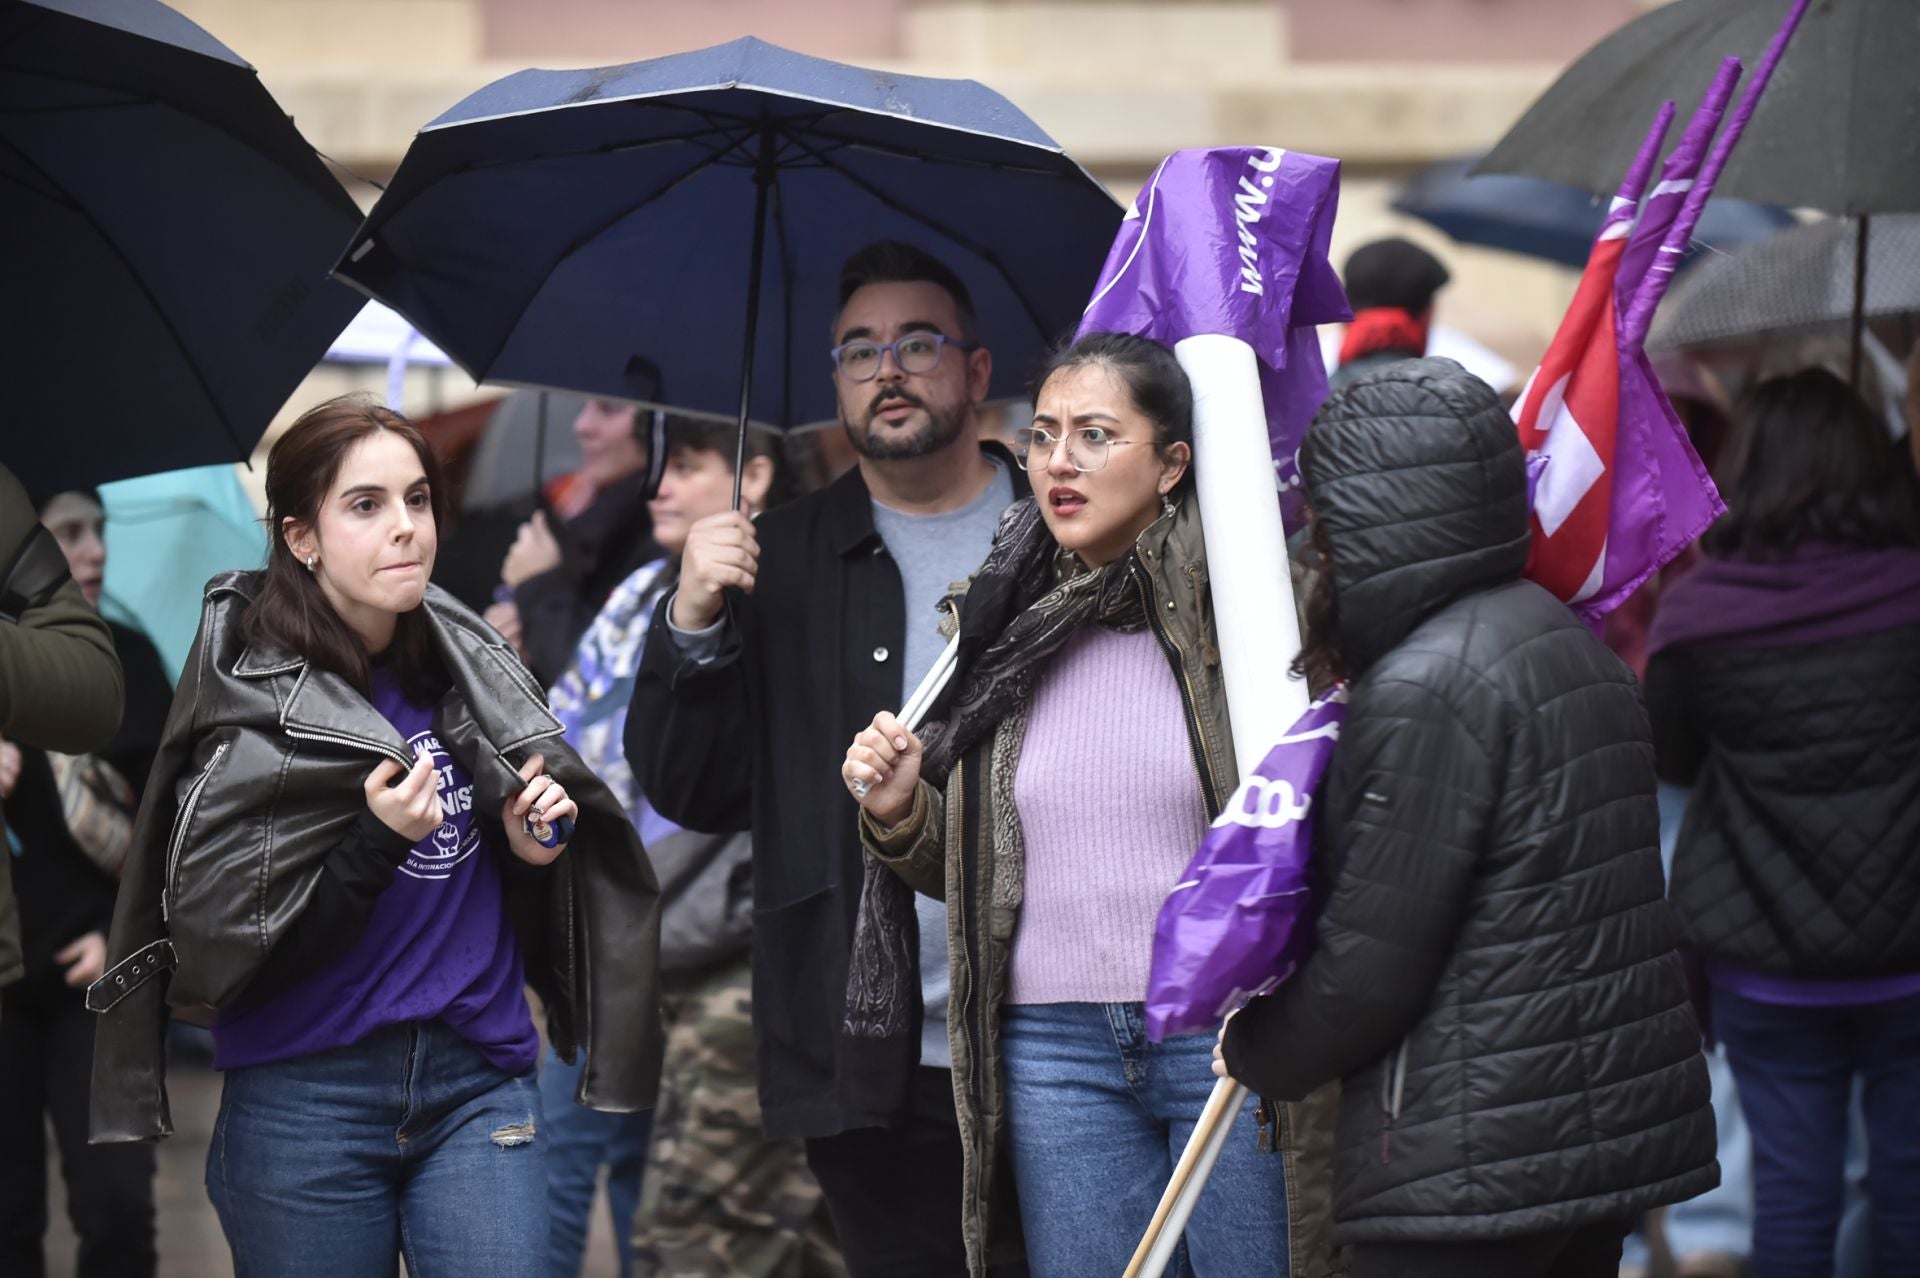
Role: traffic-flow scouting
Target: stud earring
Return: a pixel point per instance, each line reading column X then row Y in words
column 311, row 560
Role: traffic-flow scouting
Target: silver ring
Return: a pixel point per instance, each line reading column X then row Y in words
column 858, row 787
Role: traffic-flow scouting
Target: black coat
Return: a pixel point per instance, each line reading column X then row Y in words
column 1495, row 978
column 1800, row 853
column 755, row 740
column 64, row 895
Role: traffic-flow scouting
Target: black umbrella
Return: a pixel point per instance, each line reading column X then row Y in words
column 1837, row 129
column 614, row 230
column 1547, row 220
column 168, row 237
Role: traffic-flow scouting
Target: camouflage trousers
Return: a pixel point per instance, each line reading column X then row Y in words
column 718, row 1199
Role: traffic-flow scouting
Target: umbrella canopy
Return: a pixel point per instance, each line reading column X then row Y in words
column 166, row 535
column 1798, row 283
column 1836, row 131
column 1536, row 218
column 596, row 230
column 169, row 231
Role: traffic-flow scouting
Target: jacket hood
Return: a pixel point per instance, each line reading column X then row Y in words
column 1416, row 474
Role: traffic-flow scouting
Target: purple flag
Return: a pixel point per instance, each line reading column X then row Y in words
column 1233, row 241
column 1622, row 491
column 1240, row 920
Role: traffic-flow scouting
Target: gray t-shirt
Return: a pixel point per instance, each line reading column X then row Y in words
column 933, row 552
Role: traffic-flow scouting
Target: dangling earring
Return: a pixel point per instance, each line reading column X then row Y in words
column 1167, row 506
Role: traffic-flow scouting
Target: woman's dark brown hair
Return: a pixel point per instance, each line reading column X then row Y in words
column 1810, row 462
column 1320, row 662
column 290, row 611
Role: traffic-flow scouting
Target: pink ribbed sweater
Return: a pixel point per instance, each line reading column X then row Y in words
column 1110, row 811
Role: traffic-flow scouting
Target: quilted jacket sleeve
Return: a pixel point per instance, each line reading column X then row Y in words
column 1416, row 787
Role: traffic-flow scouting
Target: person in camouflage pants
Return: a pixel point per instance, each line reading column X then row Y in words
column 717, row 1198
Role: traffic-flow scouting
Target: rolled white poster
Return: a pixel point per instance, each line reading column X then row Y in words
column 1253, row 606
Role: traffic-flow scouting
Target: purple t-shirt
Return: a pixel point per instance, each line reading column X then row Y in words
column 438, row 944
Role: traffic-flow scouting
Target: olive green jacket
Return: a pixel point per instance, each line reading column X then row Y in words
column 963, row 844
column 60, row 683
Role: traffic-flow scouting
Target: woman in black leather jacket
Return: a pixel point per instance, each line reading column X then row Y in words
column 360, row 795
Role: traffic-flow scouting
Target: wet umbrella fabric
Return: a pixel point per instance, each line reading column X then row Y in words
column 1549, row 220
column 593, row 230
column 166, row 535
column 1837, row 130
column 1799, row 283
column 168, row 238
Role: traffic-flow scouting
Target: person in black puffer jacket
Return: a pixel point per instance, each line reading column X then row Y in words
column 1495, row 977
column 1785, row 687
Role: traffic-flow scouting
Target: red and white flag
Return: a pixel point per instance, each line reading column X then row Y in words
column 1617, row 488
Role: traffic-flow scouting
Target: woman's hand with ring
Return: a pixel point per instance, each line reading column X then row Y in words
column 882, row 769
column 542, row 799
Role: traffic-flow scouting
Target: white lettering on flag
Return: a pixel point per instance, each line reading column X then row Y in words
column 1573, row 466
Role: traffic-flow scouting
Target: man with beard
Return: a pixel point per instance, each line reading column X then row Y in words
column 783, row 639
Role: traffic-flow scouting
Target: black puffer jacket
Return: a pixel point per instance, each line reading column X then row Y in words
column 1800, row 855
column 1495, row 977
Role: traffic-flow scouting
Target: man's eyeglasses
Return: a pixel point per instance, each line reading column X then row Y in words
column 1087, row 447
column 860, row 360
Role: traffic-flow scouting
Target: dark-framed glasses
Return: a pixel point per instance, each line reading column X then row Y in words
column 1087, row 447
column 860, row 359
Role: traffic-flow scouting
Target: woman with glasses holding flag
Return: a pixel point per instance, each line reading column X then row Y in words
column 1083, row 757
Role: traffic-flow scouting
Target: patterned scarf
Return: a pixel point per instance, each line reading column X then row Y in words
column 1027, row 600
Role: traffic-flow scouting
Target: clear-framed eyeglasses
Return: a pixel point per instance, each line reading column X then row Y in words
column 1087, row 447
column 860, row 360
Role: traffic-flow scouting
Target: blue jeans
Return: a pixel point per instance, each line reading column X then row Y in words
column 1097, row 1117
column 579, row 1142
column 1720, row 1220
column 1796, row 1068
column 409, row 1142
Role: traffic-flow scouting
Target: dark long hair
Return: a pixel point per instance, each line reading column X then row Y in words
column 291, row 611
column 1320, row 663
column 1809, row 462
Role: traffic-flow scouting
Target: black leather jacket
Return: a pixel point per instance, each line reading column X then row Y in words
column 259, row 777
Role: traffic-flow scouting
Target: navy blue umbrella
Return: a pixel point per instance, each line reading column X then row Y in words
column 168, row 237
column 616, row 231
column 1536, row 218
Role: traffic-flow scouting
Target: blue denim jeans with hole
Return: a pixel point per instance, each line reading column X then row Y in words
column 409, row 1142
column 1098, row 1116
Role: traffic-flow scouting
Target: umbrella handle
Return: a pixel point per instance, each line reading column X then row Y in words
column 1859, row 298
column 1190, row 1174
